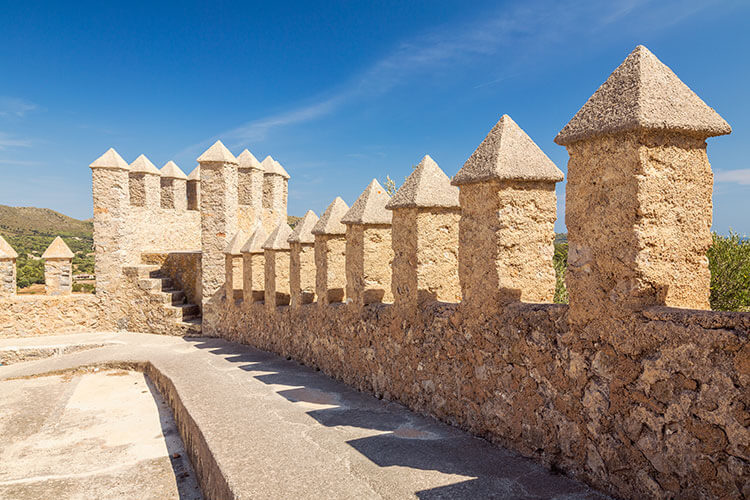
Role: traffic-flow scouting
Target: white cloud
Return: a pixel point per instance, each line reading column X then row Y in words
column 738, row 176
column 14, row 106
column 7, row 141
column 514, row 35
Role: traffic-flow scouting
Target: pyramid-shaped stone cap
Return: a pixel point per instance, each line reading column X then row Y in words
column 247, row 160
column 195, row 175
column 279, row 170
column 279, row 238
column 6, row 251
column 171, row 171
column 234, row 247
column 643, row 94
column 370, row 207
column 58, row 250
column 303, row 230
column 506, row 154
column 143, row 165
column 218, row 153
column 426, row 187
column 110, row 160
column 254, row 244
column 330, row 221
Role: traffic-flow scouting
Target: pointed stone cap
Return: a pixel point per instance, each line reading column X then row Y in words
column 268, row 164
column 195, row 175
column 279, row 238
column 143, row 165
column 370, row 207
column 6, row 251
column 279, row 170
column 506, row 154
column 58, row 250
column 218, row 153
column 303, row 230
column 643, row 94
column 110, row 160
column 426, row 187
column 330, row 221
column 255, row 243
column 234, row 247
column 171, row 171
column 247, row 160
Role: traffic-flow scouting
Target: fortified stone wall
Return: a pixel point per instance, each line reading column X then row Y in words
column 631, row 386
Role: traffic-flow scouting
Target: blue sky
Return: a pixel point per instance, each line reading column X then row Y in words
column 341, row 91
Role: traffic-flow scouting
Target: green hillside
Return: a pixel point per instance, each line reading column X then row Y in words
column 30, row 230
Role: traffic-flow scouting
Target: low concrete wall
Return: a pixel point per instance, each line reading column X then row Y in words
column 667, row 416
column 29, row 315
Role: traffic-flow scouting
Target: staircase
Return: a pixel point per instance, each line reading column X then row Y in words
column 186, row 316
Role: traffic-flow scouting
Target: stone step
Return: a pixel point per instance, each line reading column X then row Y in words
column 173, row 297
column 155, row 284
column 141, row 270
column 184, row 311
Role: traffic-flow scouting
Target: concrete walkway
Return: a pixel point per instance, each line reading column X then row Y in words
column 258, row 426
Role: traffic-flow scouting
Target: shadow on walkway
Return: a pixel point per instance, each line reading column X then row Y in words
column 407, row 439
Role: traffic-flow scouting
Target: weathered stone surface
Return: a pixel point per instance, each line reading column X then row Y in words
column 58, row 250
column 425, row 255
column 279, row 238
column 145, row 183
column 507, row 154
column 330, row 222
column 330, row 268
column 427, row 186
column 7, row 277
column 194, row 189
column 303, row 230
column 369, row 255
column 369, row 207
column 33, row 315
column 643, row 94
column 173, row 187
column 218, row 222
column 110, row 160
column 6, row 251
column 276, row 276
column 275, row 193
column 302, row 261
column 249, row 190
column 170, row 170
column 234, row 279
column 253, row 265
column 58, row 276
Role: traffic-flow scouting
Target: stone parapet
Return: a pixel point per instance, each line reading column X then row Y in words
column 302, row 261
column 8, row 258
column 58, row 268
column 508, row 213
column 330, row 254
column 425, row 237
column 173, row 187
column 276, row 252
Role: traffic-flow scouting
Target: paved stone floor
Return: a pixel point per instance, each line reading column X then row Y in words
column 274, row 428
column 104, row 434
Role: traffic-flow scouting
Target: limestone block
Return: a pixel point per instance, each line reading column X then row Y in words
column 111, row 197
column 173, row 187
column 58, row 268
column 277, row 259
column 253, row 266
column 145, row 183
column 508, row 212
column 218, row 171
column 194, row 189
column 274, row 200
column 330, row 254
column 302, row 261
column 249, row 190
column 425, row 237
column 639, row 144
column 369, row 253
column 233, row 266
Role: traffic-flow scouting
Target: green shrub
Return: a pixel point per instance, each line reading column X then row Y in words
column 83, row 287
column 729, row 262
column 560, row 261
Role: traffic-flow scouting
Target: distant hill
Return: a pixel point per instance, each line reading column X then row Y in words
column 28, row 221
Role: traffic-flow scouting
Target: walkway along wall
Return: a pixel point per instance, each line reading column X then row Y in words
column 625, row 387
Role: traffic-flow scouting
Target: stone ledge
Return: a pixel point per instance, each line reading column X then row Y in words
column 705, row 319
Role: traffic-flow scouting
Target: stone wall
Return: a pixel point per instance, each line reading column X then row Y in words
column 29, row 315
column 670, row 418
column 184, row 268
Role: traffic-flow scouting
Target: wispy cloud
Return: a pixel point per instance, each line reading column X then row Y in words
column 738, row 176
column 514, row 34
column 14, row 106
column 7, row 141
